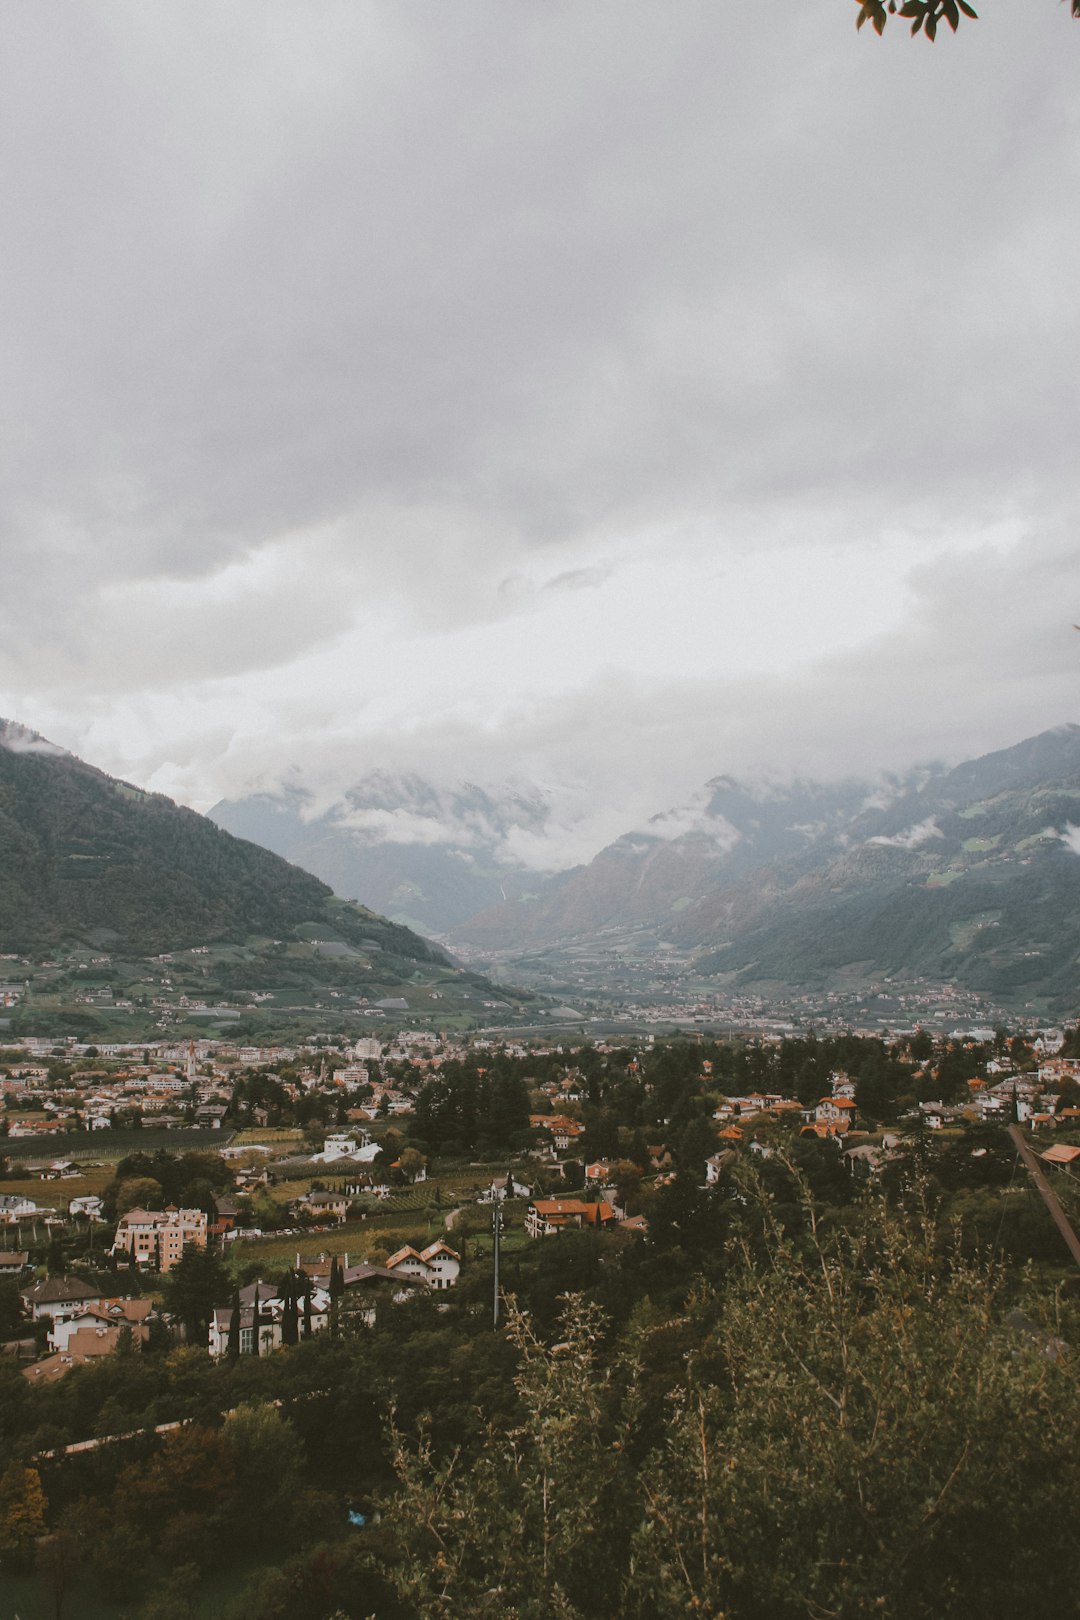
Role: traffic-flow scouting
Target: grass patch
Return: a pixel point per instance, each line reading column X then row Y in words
column 116, row 1144
column 57, row 1194
column 386, row 1230
column 271, row 1136
column 1036, row 838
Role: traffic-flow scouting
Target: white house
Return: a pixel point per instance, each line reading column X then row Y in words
column 359, row 1149
column 714, row 1166
column 271, row 1315
column 503, row 1187
column 90, row 1207
column 16, row 1208
column 438, row 1265
column 59, row 1298
column 115, row 1313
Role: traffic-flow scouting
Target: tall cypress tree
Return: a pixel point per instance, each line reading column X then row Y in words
column 336, row 1289
column 233, row 1350
column 289, row 1326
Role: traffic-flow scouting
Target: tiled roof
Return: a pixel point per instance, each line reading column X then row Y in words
column 60, row 1291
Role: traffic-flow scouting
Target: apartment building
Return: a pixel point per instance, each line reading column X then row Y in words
column 157, row 1238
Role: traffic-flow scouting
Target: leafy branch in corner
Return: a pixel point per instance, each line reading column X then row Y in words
column 923, row 15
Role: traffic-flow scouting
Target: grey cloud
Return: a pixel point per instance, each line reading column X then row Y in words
column 19, row 739
column 912, row 837
column 623, row 275
column 440, row 300
column 579, row 579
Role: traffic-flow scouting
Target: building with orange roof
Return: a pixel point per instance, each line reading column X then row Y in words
column 438, row 1265
column 548, row 1216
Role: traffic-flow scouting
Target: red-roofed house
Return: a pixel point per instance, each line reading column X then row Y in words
column 438, row 1265
column 830, row 1110
column 547, row 1216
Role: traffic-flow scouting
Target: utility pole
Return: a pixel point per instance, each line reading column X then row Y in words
column 496, row 1231
column 1042, row 1186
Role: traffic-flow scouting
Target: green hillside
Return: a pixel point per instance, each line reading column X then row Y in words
column 988, row 897
column 86, row 857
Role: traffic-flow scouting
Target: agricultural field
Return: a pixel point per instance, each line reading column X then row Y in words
column 357, row 1239
column 93, row 1145
column 267, row 1136
column 57, row 1194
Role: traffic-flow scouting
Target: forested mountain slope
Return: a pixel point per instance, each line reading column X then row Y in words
column 83, row 855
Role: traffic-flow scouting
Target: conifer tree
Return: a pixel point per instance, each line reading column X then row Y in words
column 289, row 1322
column 233, row 1350
column 336, row 1289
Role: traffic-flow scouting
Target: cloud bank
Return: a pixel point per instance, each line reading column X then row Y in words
column 602, row 397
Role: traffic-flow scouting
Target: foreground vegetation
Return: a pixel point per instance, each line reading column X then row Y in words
column 823, row 1385
column 778, row 1407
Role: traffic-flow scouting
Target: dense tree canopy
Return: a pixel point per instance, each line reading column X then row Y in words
column 850, row 1431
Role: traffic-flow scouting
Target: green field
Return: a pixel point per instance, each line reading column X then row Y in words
column 356, row 1239
column 58, row 1194
column 81, row 1145
column 268, row 1136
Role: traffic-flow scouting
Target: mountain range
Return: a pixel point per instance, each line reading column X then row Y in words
column 968, row 874
column 430, row 857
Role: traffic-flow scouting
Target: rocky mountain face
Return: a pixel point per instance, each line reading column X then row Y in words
column 425, row 856
column 655, row 876
column 970, row 875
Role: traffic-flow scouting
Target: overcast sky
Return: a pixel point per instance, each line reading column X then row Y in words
column 602, row 394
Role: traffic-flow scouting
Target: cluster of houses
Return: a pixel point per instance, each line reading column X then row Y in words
column 178, row 1086
column 1031, row 1099
column 164, row 1085
column 165, row 1088
column 85, row 1321
column 258, row 1316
